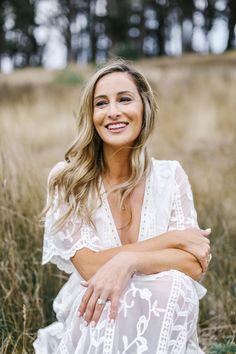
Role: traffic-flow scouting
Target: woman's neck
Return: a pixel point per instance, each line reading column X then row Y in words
column 117, row 163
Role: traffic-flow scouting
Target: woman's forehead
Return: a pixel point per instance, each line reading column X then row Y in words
column 115, row 82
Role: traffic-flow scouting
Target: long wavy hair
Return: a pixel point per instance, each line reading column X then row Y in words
column 78, row 183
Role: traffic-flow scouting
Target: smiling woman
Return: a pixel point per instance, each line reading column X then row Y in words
column 124, row 226
column 117, row 113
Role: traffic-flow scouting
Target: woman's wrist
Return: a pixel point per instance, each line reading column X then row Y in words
column 130, row 259
column 173, row 239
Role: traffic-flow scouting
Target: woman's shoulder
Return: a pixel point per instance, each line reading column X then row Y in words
column 165, row 165
column 167, row 168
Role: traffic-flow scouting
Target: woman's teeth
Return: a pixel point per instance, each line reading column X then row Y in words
column 116, row 126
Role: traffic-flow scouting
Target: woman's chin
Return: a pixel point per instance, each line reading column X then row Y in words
column 118, row 144
column 119, row 141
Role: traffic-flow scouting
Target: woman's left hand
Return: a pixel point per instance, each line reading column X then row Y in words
column 107, row 284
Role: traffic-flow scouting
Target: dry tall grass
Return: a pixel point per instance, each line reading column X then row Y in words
column 196, row 126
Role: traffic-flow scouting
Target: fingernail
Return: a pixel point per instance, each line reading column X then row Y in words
column 93, row 324
column 79, row 313
column 85, row 323
column 83, row 282
column 112, row 321
column 208, row 230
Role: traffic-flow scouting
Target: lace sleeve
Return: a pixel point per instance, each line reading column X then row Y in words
column 60, row 246
column 183, row 213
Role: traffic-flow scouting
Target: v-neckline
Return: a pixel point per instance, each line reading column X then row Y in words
column 112, row 223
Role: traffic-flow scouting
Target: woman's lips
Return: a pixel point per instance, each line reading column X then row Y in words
column 113, row 127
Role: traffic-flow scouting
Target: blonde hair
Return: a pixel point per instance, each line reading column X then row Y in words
column 78, row 183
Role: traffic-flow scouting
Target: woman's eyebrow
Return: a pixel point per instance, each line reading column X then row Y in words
column 124, row 92
column 118, row 93
column 100, row 96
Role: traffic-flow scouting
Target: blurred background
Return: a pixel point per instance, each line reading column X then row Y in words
column 48, row 49
column 53, row 33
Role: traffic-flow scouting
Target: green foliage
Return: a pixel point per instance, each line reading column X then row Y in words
column 21, row 45
column 127, row 51
column 68, row 77
column 222, row 348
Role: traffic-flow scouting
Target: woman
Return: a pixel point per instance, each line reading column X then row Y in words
column 125, row 227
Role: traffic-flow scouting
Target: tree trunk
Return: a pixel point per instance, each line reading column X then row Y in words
column 93, row 39
column 161, row 14
column 187, row 9
column 231, row 23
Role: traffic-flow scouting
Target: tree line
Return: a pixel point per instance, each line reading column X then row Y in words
column 92, row 30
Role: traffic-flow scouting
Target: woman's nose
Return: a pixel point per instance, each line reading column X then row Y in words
column 113, row 111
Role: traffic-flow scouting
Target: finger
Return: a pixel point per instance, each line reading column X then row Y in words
column 114, row 308
column 208, row 249
column 92, row 305
column 84, row 301
column 204, row 264
column 200, row 233
column 84, row 283
column 204, row 255
column 89, row 311
column 206, row 232
column 204, row 236
column 98, row 308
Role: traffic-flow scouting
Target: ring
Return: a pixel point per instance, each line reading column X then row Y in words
column 209, row 257
column 101, row 301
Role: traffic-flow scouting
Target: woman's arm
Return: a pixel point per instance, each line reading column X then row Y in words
column 110, row 280
column 166, row 259
column 191, row 247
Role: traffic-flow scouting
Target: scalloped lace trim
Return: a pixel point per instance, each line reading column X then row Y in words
column 62, row 258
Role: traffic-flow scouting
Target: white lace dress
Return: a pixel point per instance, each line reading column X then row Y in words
column 157, row 313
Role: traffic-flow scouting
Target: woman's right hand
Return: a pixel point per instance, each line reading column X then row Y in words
column 196, row 242
column 107, row 284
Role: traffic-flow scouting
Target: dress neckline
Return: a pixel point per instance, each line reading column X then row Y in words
column 111, row 221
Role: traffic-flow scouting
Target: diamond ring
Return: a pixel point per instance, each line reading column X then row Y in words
column 101, row 301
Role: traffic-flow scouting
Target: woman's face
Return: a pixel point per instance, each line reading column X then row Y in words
column 118, row 110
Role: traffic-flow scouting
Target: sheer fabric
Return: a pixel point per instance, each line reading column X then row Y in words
column 157, row 313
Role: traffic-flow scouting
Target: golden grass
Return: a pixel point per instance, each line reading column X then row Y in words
column 196, row 126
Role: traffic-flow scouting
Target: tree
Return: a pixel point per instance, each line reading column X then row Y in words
column 187, row 8
column 118, row 14
column 23, row 47
column 231, row 23
column 2, row 32
column 162, row 11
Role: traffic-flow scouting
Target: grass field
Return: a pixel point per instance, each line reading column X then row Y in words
column 197, row 126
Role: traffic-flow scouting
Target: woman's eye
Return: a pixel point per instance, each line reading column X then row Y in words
column 100, row 103
column 125, row 99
